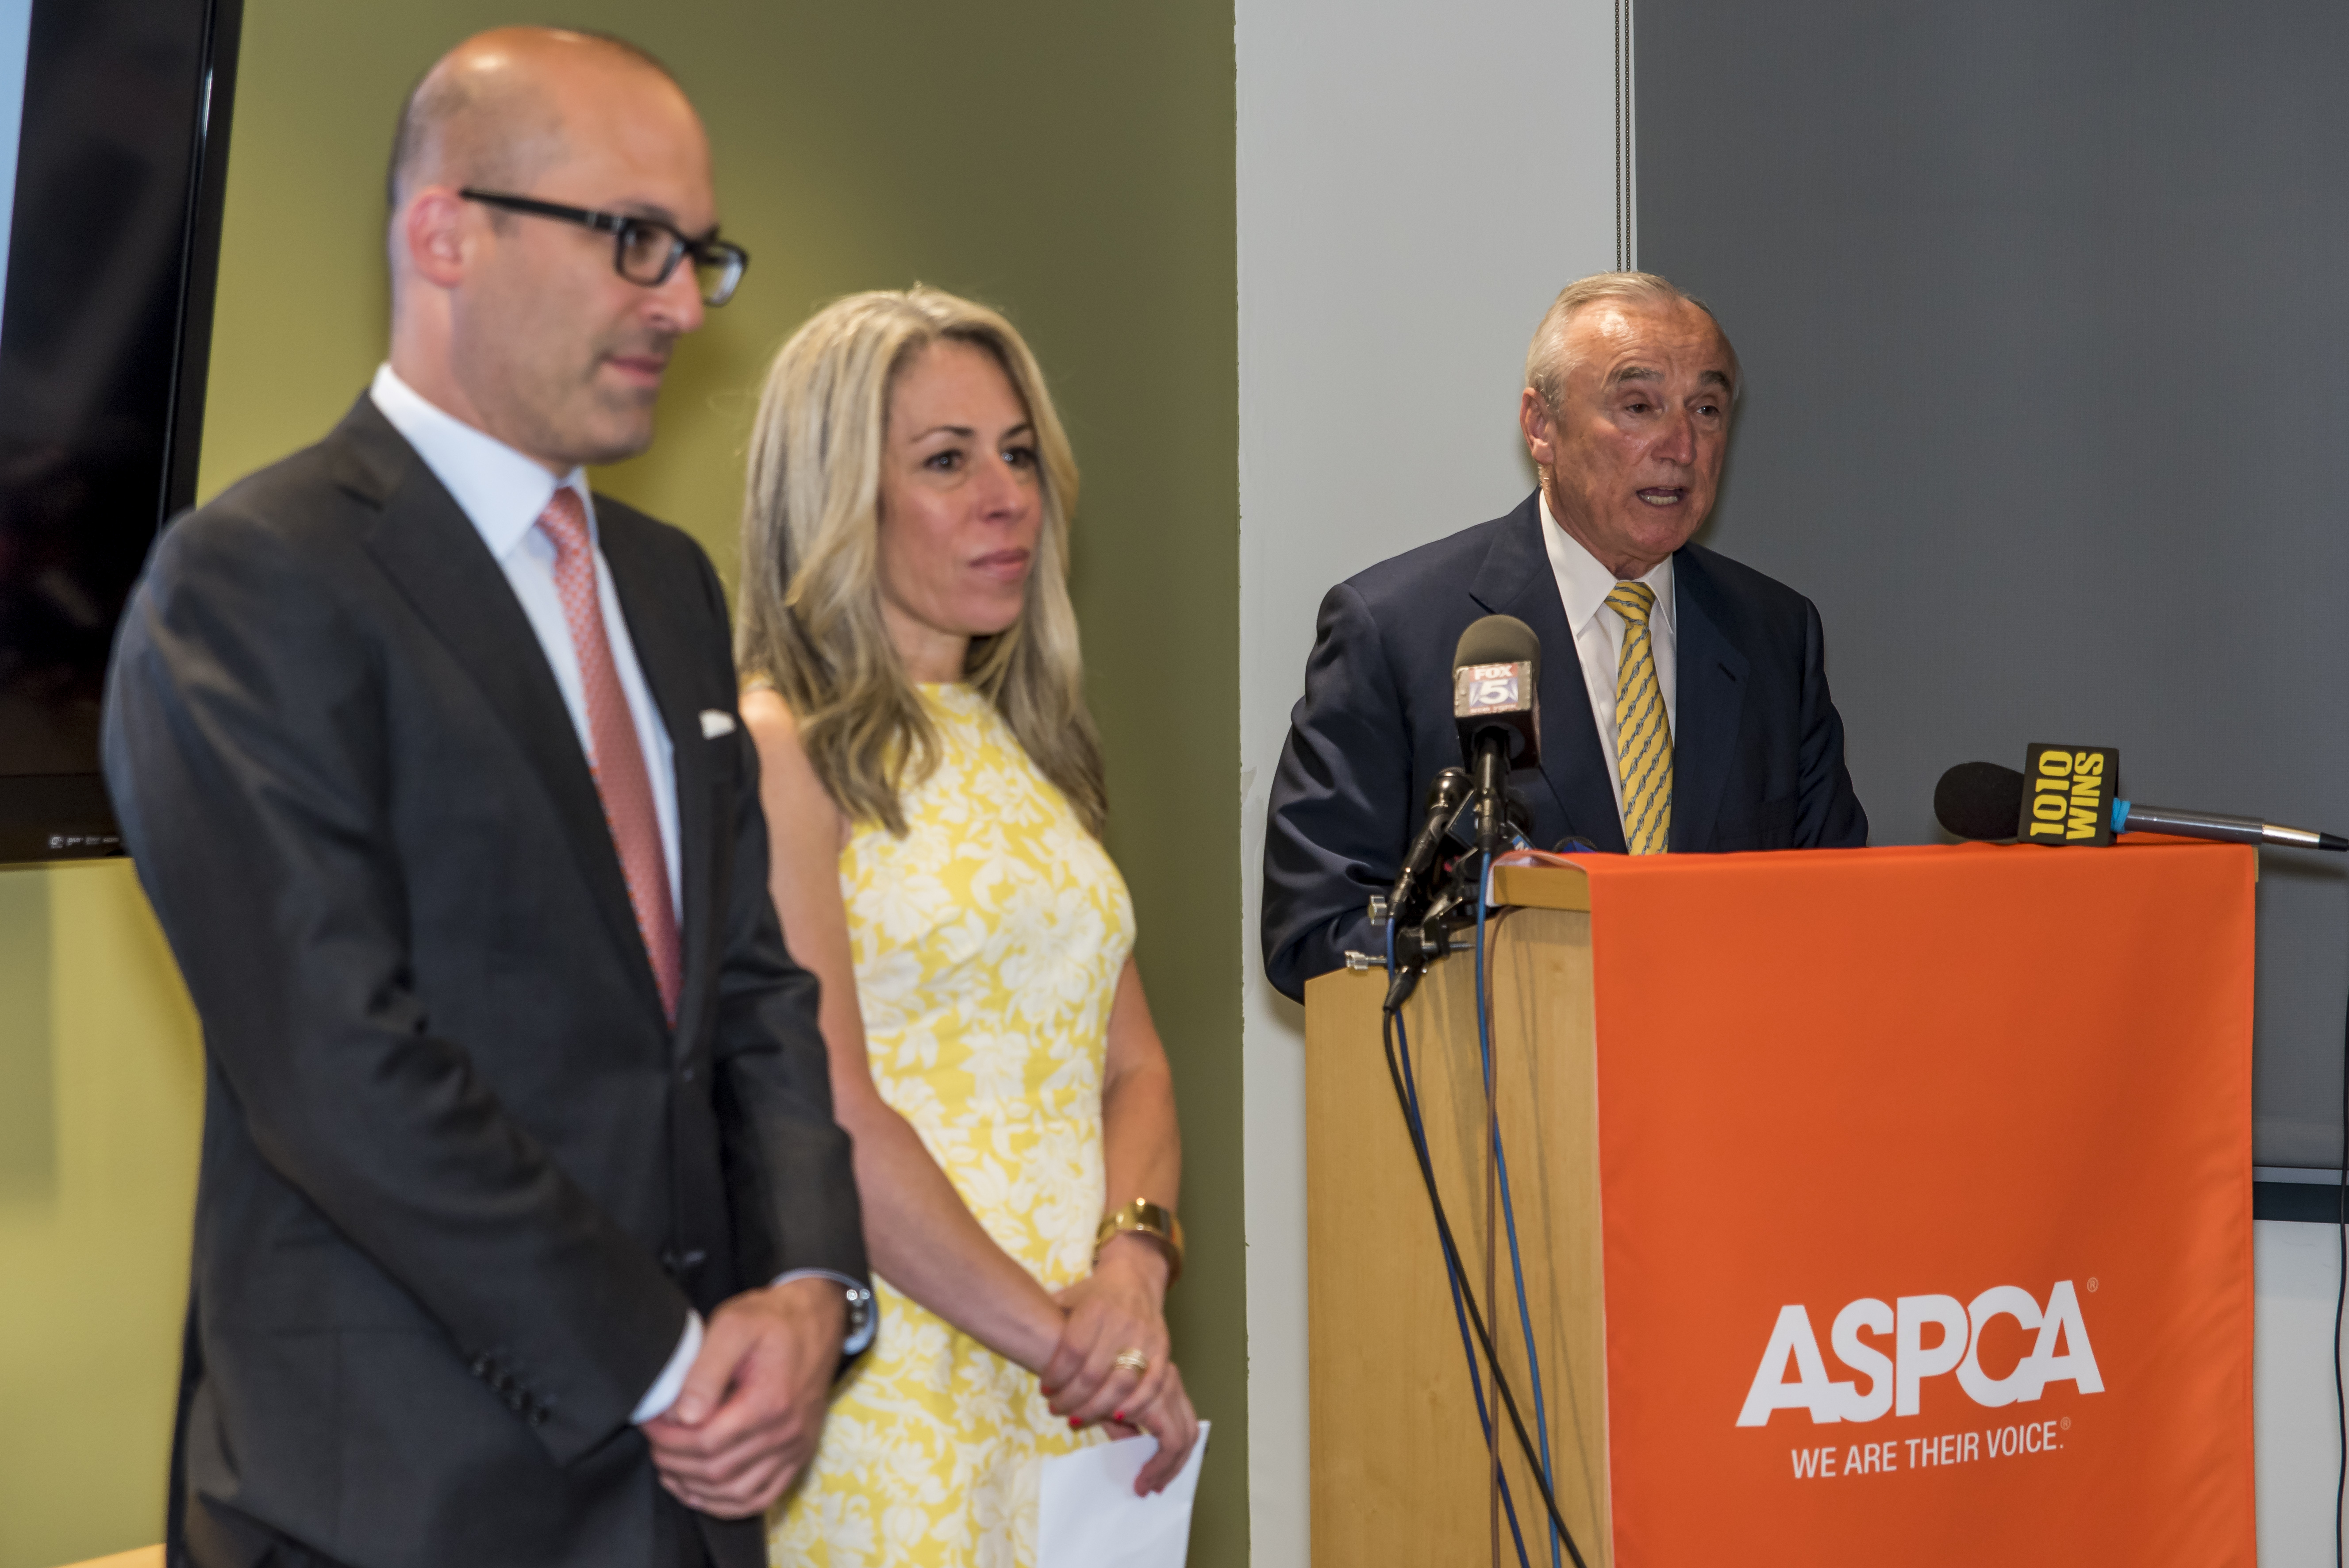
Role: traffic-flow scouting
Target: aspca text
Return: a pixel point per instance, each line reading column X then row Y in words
column 1932, row 1335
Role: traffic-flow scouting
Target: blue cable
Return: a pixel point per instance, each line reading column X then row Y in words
column 1508, row 1210
column 1459, row 1312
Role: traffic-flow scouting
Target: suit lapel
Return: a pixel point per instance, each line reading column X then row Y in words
column 430, row 549
column 667, row 660
column 1711, row 699
column 1517, row 580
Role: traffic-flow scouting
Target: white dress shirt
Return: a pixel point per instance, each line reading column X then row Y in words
column 1583, row 584
column 501, row 493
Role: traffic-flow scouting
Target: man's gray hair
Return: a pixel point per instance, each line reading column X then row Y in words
column 1548, row 363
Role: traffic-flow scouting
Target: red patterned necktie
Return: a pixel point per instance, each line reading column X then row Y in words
column 618, row 763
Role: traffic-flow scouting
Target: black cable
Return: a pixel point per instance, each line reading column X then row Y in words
column 1407, row 1096
column 1456, row 1271
column 1463, row 1301
column 1459, row 1274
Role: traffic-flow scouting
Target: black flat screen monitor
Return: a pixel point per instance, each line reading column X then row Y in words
column 113, row 141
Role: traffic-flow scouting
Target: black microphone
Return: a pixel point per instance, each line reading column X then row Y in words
column 1979, row 801
column 1984, row 800
column 1444, row 795
column 1495, row 701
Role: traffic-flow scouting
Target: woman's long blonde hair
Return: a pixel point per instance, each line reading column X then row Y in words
column 810, row 619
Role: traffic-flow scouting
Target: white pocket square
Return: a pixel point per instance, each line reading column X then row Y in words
column 714, row 723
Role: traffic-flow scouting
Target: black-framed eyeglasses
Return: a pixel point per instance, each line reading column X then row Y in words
column 644, row 250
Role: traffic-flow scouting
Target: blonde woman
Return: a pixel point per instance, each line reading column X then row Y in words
column 935, row 798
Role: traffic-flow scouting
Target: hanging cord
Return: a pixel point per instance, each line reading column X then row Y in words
column 1492, row 1141
column 1508, row 1210
column 1406, row 1090
column 1398, row 1053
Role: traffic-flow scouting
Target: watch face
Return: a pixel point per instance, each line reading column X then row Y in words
column 861, row 1316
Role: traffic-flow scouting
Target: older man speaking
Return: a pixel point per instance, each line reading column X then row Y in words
column 524, row 1234
column 1694, row 715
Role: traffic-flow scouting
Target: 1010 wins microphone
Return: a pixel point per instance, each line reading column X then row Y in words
column 1984, row 800
column 1496, row 686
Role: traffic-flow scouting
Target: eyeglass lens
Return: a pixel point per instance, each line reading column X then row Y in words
column 648, row 254
column 718, row 275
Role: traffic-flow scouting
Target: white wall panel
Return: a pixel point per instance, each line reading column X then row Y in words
column 1415, row 183
column 2295, row 1420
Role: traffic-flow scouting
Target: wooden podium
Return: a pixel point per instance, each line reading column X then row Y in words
column 1735, row 1087
column 1399, row 1460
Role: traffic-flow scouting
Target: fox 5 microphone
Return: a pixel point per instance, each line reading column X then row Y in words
column 1495, row 701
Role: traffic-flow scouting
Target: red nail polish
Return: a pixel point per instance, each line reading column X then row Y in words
column 1118, row 1416
column 1073, row 1425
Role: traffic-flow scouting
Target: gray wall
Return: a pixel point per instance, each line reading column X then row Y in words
column 2041, row 309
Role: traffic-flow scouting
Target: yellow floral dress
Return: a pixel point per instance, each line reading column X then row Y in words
column 988, row 943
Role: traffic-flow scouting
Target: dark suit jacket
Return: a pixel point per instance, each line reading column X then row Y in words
column 1757, row 751
column 460, row 1180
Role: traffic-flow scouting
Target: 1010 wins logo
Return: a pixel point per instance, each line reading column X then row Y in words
column 2060, row 1355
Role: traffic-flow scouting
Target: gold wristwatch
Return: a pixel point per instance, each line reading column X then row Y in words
column 1144, row 1218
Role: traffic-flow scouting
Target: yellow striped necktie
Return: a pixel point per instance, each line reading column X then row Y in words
column 1643, row 735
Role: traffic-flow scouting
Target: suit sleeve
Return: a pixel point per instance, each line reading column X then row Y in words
column 1828, row 811
column 1338, row 816
column 246, row 746
column 789, row 1173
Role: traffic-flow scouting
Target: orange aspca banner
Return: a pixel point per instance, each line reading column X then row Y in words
column 1926, row 1182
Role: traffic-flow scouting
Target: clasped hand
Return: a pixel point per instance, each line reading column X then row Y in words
column 753, row 1404
column 1119, row 1306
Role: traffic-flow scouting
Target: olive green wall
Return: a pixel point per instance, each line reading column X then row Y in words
column 99, row 1078
column 1071, row 163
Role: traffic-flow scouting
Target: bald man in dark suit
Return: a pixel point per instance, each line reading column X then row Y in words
column 524, row 1233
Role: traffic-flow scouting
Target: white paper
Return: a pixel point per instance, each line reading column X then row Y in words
column 1088, row 1517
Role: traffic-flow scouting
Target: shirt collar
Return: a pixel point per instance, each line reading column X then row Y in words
column 498, row 488
column 1584, row 584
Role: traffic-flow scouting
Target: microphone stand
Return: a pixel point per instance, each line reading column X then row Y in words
column 1491, row 792
column 1414, row 944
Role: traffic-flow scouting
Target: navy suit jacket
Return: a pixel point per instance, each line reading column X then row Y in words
column 1757, row 751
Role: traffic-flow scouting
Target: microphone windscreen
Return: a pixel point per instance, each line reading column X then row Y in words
column 1498, row 640
column 1979, row 801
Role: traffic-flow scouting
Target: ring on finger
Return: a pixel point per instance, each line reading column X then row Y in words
column 1133, row 1360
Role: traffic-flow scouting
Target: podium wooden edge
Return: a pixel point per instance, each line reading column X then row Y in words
column 1542, row 887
